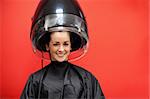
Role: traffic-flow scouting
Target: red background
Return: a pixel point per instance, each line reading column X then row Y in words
column 117, row 56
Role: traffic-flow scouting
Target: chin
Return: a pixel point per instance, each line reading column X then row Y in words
column 61, row 59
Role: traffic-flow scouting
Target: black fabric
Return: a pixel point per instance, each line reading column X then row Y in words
column 62, row 81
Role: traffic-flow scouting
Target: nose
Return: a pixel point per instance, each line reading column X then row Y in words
column 61, row 48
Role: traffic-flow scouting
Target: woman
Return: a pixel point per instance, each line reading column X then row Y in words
column 59, row 33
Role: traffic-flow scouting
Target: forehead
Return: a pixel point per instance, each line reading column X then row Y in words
column 60, row 36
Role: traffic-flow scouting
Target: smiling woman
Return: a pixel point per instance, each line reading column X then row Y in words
column 59, row 46
column 59, row 31
column 117, row 56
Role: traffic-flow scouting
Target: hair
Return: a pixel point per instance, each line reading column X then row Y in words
column 74, row 38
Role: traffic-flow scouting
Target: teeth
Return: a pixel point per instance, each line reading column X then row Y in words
column 60, row 55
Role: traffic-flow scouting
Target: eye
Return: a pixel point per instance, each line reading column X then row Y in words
column 55, row 44
column 66, row 44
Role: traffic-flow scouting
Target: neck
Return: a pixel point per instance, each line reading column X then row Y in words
column 59, row 64
column 59, row 68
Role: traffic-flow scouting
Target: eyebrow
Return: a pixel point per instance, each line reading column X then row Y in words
column 66, row 41
column 58, row 41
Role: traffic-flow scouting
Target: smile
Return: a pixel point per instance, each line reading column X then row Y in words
column 60, row 54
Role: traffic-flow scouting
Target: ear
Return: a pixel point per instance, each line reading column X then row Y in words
column 47, row 47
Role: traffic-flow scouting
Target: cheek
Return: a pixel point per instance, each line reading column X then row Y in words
column 52, row 50
column 68, row 49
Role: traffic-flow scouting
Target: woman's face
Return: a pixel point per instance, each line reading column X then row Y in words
column 59, row 46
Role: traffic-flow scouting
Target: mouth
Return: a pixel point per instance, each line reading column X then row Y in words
column 60, row 54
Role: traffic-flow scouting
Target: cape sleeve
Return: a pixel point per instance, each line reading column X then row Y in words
column 30, row 90
column 97, row 91
column 98, row 94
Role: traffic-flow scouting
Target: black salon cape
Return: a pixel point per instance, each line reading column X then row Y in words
column 62, row 81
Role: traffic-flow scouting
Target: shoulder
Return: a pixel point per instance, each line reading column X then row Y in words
column 87, row 76
column 84, row 72
column 36, row 76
